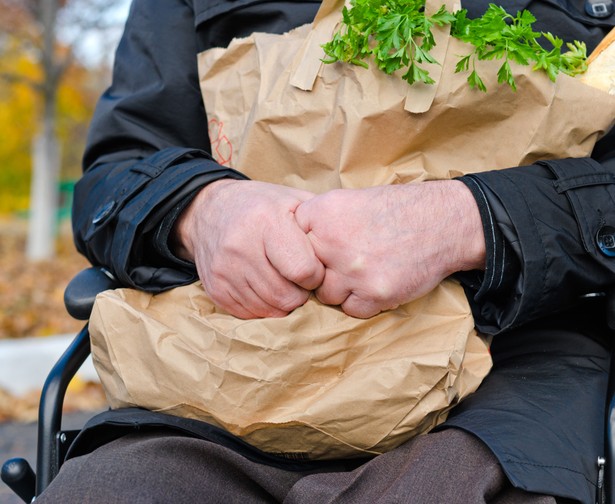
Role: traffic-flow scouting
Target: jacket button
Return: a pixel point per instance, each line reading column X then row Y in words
column 103, row 212
column 605, row 238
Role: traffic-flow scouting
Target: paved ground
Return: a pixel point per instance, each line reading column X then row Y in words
column 24, row 364
column 19, row 440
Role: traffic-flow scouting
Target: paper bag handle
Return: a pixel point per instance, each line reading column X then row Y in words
column 307, row 64
column 420, row 96
column 308, row 61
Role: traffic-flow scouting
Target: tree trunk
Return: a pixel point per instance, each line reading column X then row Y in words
column 44, row 194
column 44, row 188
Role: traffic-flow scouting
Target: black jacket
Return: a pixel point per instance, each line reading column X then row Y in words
column 547, row 224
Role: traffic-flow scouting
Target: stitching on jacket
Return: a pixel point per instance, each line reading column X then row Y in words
column 585, row 180
column 492, row 226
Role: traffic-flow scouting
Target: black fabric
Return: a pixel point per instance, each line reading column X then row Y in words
column 219, row 22
column 535, row 410
column 501, row 265
column 547, row 212
column 553, row 233
column 540, row 410
column 114, row 424
column 154, row 104
column 546, row 397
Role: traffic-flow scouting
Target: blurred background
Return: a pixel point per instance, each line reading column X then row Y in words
column 55, row 60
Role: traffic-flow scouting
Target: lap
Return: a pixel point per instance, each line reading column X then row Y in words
column 552, row 367
column 445, row 467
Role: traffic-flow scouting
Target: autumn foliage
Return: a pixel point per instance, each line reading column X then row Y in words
column 44, row 74
column 19, row 112
column 33, row 74
column 32, row 293
column 32, row 304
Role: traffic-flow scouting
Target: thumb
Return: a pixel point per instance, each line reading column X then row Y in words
column 303, row 216
column 293, row 256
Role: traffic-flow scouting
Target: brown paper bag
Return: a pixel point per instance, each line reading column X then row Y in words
column 320, row 384
column 315, row 384
column 279, row 115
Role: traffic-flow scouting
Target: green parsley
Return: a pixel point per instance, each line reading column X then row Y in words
column 397, row 35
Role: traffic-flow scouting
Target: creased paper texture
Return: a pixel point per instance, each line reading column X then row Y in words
column 314, row 384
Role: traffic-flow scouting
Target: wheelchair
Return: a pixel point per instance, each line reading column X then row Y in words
column 53, row 442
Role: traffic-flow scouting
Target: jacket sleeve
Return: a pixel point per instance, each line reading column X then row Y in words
column 557, row 220
column 147, row 150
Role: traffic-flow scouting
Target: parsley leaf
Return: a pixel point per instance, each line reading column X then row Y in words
column 397, row 35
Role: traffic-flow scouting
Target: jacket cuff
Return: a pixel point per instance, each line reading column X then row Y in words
column 501, row 265
column 124, row 233
column 161, row 239
column 558, row 219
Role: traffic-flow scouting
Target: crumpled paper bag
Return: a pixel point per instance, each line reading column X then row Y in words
column 277, row 114
column 315, row 384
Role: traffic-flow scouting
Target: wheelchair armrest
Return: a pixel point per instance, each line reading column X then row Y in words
column 79, row 298
column 50, row 408
column 81, row 291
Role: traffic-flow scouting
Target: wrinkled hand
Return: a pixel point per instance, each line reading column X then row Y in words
column 384, row 246
column 251, row 256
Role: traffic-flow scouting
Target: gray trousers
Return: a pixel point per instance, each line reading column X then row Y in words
column 447, row 467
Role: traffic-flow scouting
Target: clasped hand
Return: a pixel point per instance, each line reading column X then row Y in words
column 260, row 249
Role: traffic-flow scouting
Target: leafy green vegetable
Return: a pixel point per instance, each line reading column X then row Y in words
column 397, row 35
column 499, row 35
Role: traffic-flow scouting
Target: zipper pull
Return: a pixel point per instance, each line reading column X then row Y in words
column 600, row 493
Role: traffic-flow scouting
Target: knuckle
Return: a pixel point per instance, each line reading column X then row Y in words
column 307, row 274
column 289, row 300
column 358, row 310
column 382, row 292
column 325, row 297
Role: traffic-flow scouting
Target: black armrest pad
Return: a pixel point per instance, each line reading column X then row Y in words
column 82, row 290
